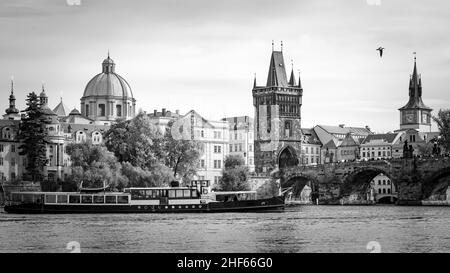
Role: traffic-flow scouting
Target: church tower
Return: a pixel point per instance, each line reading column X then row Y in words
column 415, row 114
column 12, row 112
column 277, row 118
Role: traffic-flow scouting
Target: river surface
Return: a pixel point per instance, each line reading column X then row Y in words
column 297, row 229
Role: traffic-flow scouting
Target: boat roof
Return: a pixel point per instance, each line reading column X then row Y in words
column 161, row 188
column 232, row 192
column 72, row 192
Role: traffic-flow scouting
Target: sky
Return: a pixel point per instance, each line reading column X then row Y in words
column 203, row 54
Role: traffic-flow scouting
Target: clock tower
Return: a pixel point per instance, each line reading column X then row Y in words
column 415, row 114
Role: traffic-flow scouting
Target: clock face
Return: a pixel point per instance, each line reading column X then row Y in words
column 424, row 118
column 409, row 117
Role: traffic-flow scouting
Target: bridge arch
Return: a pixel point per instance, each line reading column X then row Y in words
column 301, row 187
column 370, row 184
column 437, row 186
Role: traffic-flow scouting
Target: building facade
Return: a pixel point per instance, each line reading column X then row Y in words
column 277, row 118
column 241, row 141
column 311, row 147
column 340, row 143
column 382, row 146
column 213, row 137
column 162, row 119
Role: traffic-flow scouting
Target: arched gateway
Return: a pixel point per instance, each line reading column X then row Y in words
column 287, row 158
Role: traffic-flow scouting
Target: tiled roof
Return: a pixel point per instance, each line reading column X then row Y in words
column 61, row 110
column 345, row 130
column 389, row 138
column 87, row 128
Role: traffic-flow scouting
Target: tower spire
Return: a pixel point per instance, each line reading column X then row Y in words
column 292, row 78
column 299, row 81
column 281, row 46
column 12, row 100
column 273, row 46
column 254, row 81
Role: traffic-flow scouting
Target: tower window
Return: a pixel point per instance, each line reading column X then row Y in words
column 102, row 110
column 87, row 110
column 119, row 110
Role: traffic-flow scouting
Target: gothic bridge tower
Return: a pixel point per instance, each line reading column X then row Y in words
column 277, row 118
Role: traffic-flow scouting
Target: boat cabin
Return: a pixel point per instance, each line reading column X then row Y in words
column 69, row 198
column 228, row 196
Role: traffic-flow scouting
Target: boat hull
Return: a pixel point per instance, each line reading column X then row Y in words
column 275, row 203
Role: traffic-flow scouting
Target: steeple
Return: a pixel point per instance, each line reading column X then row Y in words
column 415, row 90
column 43, row 97
column 12, row 101
column 254, row 82
column 292, row 81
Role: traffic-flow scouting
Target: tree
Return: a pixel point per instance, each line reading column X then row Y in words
column 443, row 122
column 137, row 141
column 234, row 176
column 181, row 155
column 34, row 138
column 94, row 165
column 425, row 149
column 157, row 176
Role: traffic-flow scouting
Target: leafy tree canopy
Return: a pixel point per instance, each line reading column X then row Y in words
column 443, row 122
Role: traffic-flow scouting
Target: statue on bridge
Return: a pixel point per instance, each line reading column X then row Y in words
column 408, row 151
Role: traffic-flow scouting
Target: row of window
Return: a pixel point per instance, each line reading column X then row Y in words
column 314, row 150
column 2, row 148
column 379, row 154
column 240, row 136
column 378, row 148
column 157, row 194
column 384, row 191
column 102, row 110
column 311, row 160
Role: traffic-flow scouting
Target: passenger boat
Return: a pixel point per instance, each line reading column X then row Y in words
column 196, row 197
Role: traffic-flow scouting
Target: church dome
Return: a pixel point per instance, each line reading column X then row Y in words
column 108, row 83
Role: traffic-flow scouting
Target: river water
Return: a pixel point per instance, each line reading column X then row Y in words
column 297, row 229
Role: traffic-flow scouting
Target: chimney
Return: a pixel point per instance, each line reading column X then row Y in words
column 164, row 112
column 368, row 128
column 177, row 112
column 342, row 125
column 155, row 112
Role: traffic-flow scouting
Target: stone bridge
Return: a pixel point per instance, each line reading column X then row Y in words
column 417, row 180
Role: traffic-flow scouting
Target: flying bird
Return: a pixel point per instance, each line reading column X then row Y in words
column 381, row 51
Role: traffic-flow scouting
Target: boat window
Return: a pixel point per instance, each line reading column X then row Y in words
column 171, row 193
column 110, row 199
column 28, row 198
column 62, row 199
column 99, row 199
column 143, row 194
column 194, row 193
column 74, row 199
column 155, row 193
column 86, row 199
column 179, row 193
column 136, row 194
column 50, row 198
column 16, row 197
column 187, row 193
column 163, row 193
column 122, row 199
